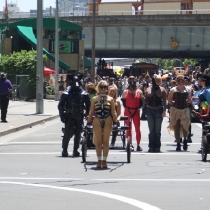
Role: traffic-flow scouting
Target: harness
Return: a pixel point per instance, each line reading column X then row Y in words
column 102, row 113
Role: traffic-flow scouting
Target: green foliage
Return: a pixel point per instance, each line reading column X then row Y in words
column 50, row 90
column 190, row 61
column 21, row 63
column 169, row 64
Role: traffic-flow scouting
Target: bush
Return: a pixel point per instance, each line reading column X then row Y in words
column 50, row 90
column 22, row 63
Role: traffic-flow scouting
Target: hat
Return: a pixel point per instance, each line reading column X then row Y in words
column 205, row 77
column 158, row 79
column 3, row 74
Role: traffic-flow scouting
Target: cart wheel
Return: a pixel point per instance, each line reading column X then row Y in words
column 128, row 150
column 204, row 149
column 84, row 150
column 123, row 139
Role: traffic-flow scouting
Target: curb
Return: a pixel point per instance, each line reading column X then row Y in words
column 22, row 127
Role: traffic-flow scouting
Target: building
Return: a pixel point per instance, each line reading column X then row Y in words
column 21, row 36
column 48, row 12
column 12, row 8
column 73, row 7
column 150, row 7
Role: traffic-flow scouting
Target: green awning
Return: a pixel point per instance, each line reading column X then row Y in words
column 28, row 35
column 48, row 24
column 87, row 62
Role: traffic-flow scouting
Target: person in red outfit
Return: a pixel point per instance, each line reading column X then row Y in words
column 131, row 99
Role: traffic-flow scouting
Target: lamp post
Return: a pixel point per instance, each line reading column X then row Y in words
column 39, row 63
column 93, row 40
column 56, row 51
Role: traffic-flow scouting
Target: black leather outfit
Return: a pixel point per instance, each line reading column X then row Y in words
column 155, row 101
column 73, row 102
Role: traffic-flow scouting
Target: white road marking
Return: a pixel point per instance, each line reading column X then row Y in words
column 120, row 180
column 133, row 202
column 110, row 153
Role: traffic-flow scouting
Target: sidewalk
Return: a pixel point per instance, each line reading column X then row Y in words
column 22, row 115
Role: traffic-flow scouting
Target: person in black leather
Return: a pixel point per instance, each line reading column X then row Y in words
column 155, row 98
column 71, row 110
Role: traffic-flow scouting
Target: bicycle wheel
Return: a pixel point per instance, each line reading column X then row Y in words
column 128, row 150
column 204, row 150
column 84, row 149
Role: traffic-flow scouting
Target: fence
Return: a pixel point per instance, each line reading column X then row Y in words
column 22, row 15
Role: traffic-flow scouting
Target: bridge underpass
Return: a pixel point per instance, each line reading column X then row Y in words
column 146, row 35
column 149, row 41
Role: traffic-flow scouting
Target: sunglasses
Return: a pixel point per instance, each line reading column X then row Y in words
column 103, row 87
column 180, row 80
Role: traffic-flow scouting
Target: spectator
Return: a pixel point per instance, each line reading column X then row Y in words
column 145, row 85
column 61, row 86
column 88, row 79
column 5, row 88
column 207, row 71
column 112, row 92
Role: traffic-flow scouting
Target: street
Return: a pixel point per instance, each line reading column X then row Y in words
column 33, row 175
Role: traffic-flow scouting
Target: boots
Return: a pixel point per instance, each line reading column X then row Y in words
column 65, row 153
column 103, row 164
column 65, row 144
column 76, row 153
column 98, row 165
column 185, row 145
column 178, row 148
column 77, row 138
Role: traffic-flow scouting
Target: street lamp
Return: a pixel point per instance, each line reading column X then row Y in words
column 39, row 62
column 56, row 51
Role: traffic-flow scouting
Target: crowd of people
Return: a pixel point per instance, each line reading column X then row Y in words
column 149, row 94
column 103, row 99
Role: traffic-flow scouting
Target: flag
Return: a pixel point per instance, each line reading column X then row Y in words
column 6, row 16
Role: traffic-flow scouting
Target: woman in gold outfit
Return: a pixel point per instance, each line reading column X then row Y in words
column 103, row 108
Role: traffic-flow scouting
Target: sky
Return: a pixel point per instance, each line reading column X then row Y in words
column 25, row 7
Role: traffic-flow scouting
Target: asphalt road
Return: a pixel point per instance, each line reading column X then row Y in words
column 33, row 175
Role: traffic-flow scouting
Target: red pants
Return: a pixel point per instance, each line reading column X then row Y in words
column 136, row 122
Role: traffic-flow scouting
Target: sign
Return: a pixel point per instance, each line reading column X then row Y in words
column 64, row 46
column 83, row 36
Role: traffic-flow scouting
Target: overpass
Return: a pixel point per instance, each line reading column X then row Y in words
column 163, row 36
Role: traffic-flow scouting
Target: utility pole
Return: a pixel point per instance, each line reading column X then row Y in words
column 39, row 62
column 93, row 40
column 56, row 51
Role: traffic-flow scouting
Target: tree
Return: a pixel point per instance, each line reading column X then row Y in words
column 190, row 62
column 22, row 63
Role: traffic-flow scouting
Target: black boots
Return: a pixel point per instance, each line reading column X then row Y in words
column 185, row 145
column 65, row 153
column 76, row 153
column 178, row 148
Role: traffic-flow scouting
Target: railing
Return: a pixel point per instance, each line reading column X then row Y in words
column 22, row 15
